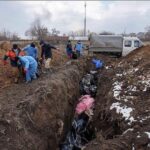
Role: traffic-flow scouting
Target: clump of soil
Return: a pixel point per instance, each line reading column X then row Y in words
column 122, row 113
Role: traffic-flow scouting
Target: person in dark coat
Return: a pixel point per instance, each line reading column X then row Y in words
column 46, row 54
column 69, row 49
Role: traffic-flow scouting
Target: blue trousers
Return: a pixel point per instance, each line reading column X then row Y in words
column 31, row 73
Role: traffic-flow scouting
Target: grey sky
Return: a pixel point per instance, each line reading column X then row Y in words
column 115, row 16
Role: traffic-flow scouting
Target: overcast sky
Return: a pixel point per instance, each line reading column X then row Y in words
column 65, row 16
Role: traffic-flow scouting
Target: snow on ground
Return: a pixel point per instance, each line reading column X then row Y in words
column 132, row 88
column 133, row 148
column 138, row 136
column 117, row 89
column 119, row 75
column 148, row 133
column 108, row 67
column 124, row 110
column 130, row 129
column 143, row 119
column 145, row 83
column 132, row 71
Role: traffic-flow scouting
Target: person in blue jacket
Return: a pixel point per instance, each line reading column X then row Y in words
column 29, row 65
column 79, row 48
column 31, row 50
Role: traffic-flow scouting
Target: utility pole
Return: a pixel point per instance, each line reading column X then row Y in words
column 85, row 20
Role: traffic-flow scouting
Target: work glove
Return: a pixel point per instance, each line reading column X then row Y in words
column 25, row 70
column 5, row 62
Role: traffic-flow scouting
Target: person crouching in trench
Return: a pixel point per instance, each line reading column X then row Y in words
column 29, row 65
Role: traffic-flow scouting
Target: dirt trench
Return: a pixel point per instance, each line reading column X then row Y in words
column 32, row 116
column 34, row 120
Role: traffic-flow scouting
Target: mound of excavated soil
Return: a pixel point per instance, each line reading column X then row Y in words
column 122, row 113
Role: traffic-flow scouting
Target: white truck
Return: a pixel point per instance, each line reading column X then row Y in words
column 113, row 44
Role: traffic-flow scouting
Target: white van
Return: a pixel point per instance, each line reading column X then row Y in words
column 113, row 44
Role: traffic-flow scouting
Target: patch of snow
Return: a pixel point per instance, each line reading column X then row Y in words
column 124, row 73
column 107, row 67
column 132, row 119
column 132, row 88
column 143, row 119
column 138, row 136
column 117, row 89
column 145, row 89
column 148, row 133
column 133, row 148
column 125, row 100
column 124, row 110
column 119, row 75
column 136, row 69
column 145, row 82
column 133, row 70
column 130, row 129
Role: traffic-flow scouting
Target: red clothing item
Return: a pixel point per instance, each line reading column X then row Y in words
column 12, row 55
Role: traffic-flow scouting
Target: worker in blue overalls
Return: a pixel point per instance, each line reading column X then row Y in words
column 29, row 65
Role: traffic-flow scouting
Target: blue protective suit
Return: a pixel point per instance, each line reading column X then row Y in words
column 98, row 63
column 30, row 64
column 31, row 51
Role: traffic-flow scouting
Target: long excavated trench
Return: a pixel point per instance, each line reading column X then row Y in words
column 39, row 116
column 75, row 140
column 42, row 119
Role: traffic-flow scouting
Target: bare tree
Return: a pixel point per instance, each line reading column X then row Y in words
column 55, row 32
column 7, row 35
column 147, row 33
column 37, row 30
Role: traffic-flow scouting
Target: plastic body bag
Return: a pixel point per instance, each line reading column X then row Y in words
column 88, row 84
column 98, row 63
column 78, row 135
column 86, row 102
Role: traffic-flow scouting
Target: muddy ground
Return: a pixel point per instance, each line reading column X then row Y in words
column 32, row 114
column 37, row 116
column 7, row 73
column 122, row 113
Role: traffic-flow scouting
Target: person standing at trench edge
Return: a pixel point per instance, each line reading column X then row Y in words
column 46, row 54
column 69, row 49
column 79, row 49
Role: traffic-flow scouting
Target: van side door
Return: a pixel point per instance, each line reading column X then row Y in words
column 127, row 46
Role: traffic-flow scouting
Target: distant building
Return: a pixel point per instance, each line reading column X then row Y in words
column 81, row 38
